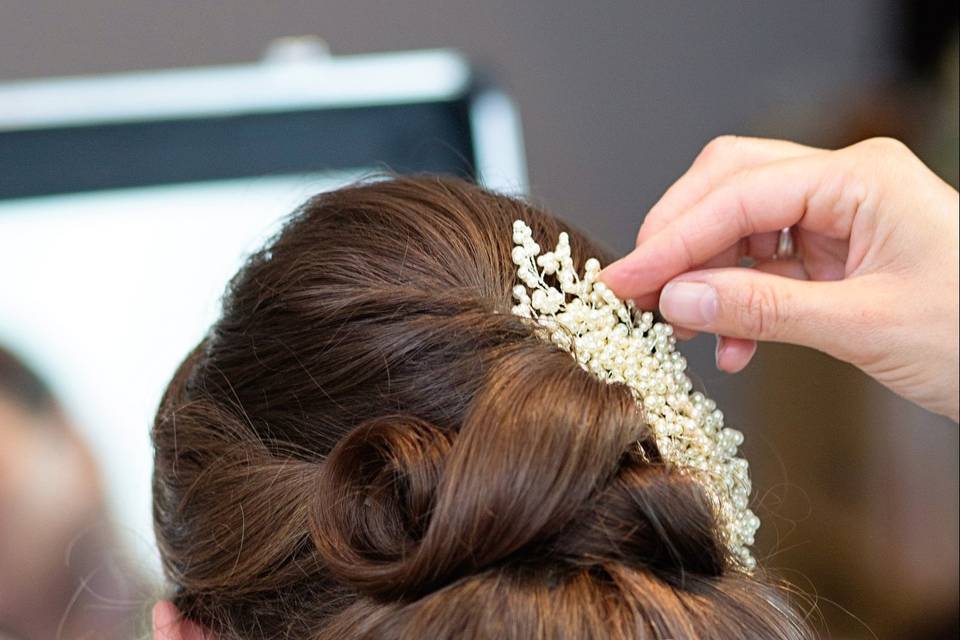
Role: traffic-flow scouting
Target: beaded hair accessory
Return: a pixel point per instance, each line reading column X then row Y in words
column 618, row 343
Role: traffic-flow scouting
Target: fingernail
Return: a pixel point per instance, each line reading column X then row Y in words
column 721, row 345
column 689, row 304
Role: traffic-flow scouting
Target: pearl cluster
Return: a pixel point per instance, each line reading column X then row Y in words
column 619, row 344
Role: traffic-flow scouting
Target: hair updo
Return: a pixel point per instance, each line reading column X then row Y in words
column 368, row 444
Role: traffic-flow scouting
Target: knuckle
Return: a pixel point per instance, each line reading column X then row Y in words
column 741, row 216
column 881, row 160
column 886, row 146
column 685, row 250
column 719, row 147
column 759, row 313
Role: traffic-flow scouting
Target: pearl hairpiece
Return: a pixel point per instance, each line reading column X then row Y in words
column 616, row 342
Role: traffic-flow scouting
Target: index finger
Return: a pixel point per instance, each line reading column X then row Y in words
column 808, row 191
column 719, row 159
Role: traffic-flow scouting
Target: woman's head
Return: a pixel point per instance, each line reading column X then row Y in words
column 369, row 443
column 59, row 560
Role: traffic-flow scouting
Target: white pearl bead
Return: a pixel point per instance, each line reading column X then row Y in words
column 618, row 343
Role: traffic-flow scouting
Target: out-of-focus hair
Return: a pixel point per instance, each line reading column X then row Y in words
column 21, row 384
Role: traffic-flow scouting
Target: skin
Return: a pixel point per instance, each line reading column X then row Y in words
column 875, row 278
column 169, row 625
column 49, row 491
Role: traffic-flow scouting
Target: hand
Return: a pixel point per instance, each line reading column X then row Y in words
column 874, row 281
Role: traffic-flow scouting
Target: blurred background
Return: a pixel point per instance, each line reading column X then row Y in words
column 127, row 200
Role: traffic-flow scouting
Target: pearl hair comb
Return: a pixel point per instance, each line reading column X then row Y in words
column 618, row 343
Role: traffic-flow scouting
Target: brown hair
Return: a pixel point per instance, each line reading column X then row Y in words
column 368, row 444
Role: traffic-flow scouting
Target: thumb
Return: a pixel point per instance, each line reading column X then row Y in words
column 751, row 304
